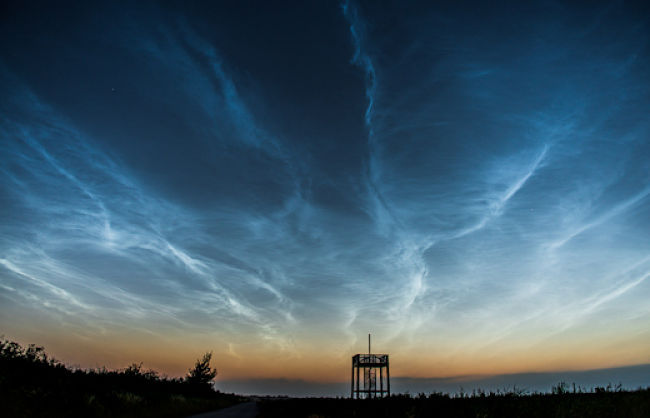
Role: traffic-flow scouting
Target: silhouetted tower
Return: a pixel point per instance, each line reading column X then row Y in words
column 376, row 375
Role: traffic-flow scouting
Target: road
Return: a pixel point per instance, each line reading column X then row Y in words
column 243, row 410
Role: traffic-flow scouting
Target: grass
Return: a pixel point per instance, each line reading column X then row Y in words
column 562, row 404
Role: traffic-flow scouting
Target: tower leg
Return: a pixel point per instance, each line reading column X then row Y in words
column 352, row 382
column 387, row 378
column 358, row 388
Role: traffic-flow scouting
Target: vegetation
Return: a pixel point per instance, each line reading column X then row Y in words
column 201, row 373
column 561, row 403
column 35, row 385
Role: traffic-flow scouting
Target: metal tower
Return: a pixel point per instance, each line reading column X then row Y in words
column 375, row 373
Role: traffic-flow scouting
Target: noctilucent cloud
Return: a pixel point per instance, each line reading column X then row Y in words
column 470, row 182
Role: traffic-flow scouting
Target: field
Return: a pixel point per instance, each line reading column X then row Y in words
column 600, row 403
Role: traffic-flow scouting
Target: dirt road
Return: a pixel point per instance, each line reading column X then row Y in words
column 243, row 410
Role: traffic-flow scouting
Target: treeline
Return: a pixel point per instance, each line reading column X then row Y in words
column 611, row 402
column 34, row 385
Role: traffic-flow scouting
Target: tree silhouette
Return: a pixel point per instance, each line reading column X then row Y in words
column 202, row 373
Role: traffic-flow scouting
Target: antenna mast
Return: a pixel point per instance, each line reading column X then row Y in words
column 368, row 344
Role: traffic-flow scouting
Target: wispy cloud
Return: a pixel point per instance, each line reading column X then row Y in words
column 116, row 218
column 498, row 204
column 617, row 210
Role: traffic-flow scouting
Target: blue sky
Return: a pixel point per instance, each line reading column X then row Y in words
column 468, row 182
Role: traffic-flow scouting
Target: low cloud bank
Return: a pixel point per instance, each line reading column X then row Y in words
column 630, row 377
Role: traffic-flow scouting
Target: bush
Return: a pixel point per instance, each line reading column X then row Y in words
column 34, row 385
column 201, row 373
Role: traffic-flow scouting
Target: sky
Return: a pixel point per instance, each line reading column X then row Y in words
column 467, row 181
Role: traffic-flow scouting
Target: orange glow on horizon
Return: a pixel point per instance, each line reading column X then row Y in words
column 173, row 357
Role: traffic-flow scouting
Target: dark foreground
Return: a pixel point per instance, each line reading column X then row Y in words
column 570, row 405
column 34, row 385
column 243, row 410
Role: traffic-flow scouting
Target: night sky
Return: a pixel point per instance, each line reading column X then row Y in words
column 469, row 181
